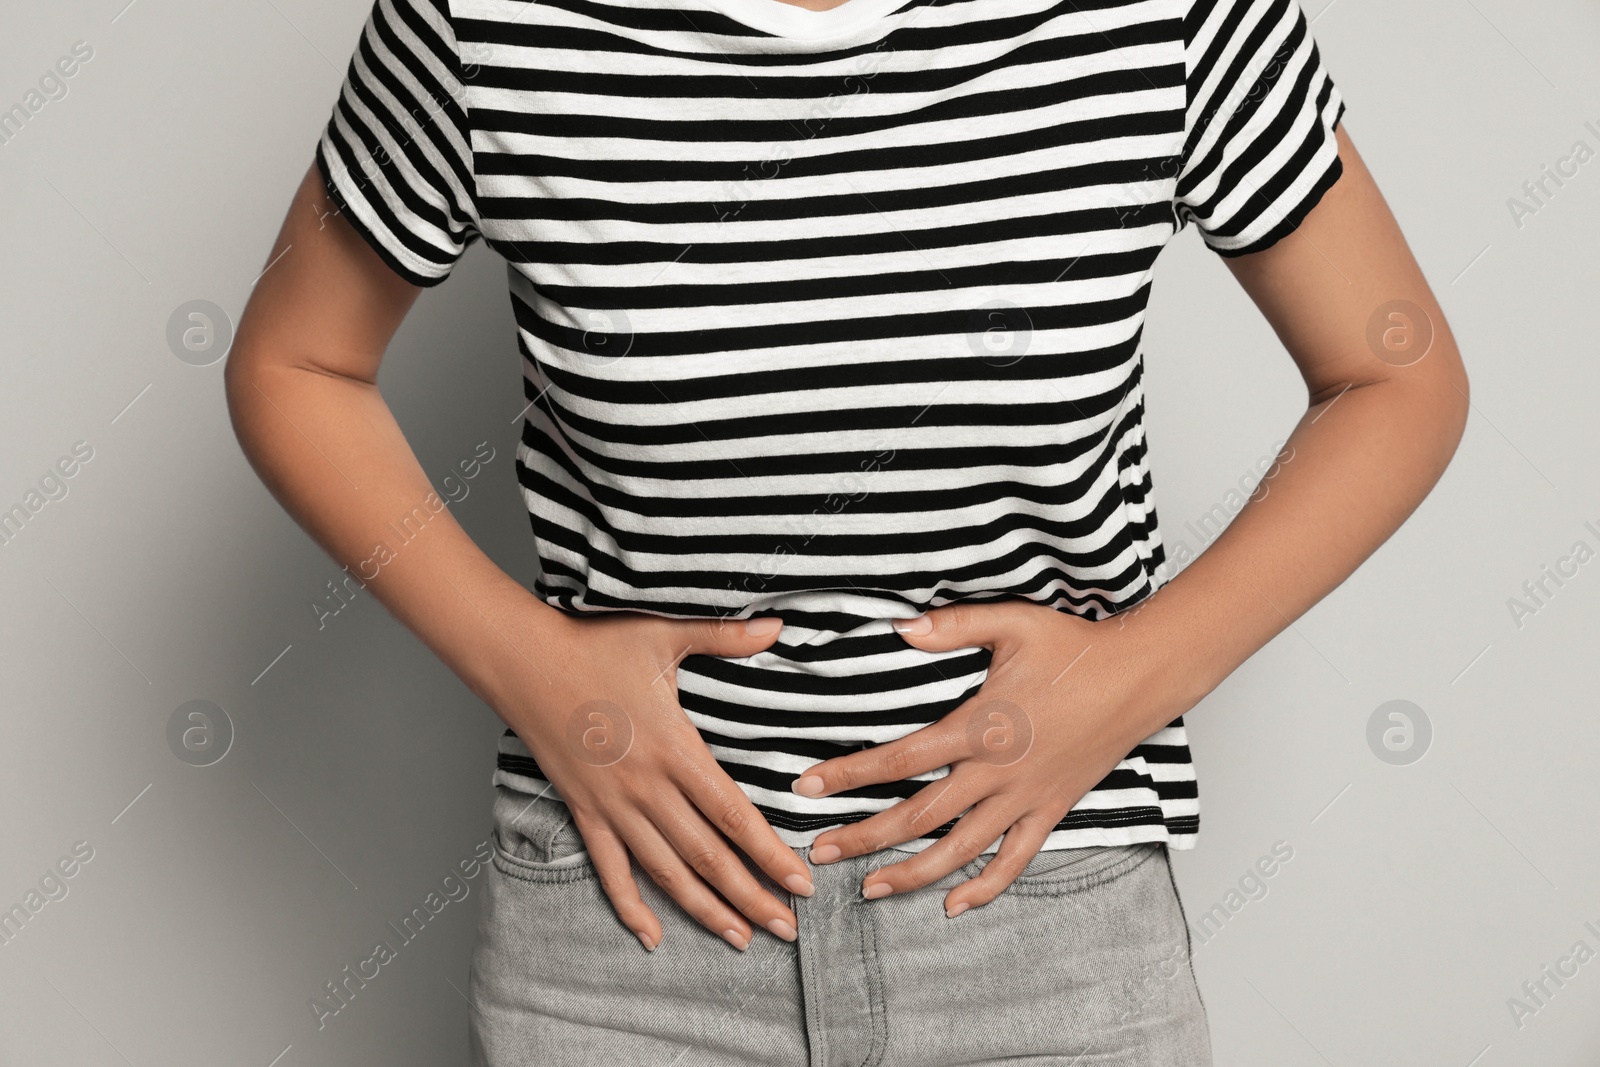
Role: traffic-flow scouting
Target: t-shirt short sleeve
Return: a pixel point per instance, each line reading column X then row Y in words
column 1259, row 148
column 396, row 154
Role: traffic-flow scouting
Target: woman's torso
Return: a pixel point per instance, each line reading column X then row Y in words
column 835, row 328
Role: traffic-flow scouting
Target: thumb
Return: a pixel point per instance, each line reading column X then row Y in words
column 729, row 638
column 954, row 626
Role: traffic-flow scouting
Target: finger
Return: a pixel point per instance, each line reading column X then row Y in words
column 965, row 842
column 916, row 816
column 936, row 745
column 667, row 867
column 959, row 626
column 729, row 638
column 611, row 862
column 721, row 801
column 710, row 856
column 1021, row 843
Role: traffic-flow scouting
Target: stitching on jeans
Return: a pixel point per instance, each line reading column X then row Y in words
column 523, row 868
column 1188, row 938
column 539, row 821
column 1135, row 856
column 877, row 1005
column 527, row 871
column 1083, row 867
column 817, row 1046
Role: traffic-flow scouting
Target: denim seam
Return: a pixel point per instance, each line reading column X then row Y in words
column 1081, row 867
column 810, row 984
column 1046, row 886
column 877, row 1006
column 1188, row 938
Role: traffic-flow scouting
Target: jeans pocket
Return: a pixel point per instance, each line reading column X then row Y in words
column 1072, row 870
column 536, row 838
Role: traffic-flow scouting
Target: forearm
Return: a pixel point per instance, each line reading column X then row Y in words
column 1357, row 465
column 331, row 452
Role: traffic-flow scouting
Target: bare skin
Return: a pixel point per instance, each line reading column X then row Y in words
column 301, row 387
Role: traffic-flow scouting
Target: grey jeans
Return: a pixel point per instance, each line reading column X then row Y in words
column 1084, row 959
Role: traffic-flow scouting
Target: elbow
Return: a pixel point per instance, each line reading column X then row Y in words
column 246, row 387
column 1454, row 393
column 239, row 389
column 1440, row 404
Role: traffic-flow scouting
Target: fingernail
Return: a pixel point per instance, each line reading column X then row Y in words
column 800, row 884
column 957, row 910
column 825, row 853
column 644, row 938
column 875, row 890
column 782, row 929
column 807, row 785
column 919, row 625
column 736, row 939
column 763, row 627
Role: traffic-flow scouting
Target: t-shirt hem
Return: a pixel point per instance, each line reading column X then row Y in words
column 1106, row 836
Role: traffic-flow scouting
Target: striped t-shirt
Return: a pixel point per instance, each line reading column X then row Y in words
column 836, row 316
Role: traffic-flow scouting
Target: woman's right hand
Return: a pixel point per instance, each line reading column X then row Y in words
column 600, row 714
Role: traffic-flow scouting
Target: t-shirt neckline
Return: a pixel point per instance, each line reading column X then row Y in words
column 784, row 19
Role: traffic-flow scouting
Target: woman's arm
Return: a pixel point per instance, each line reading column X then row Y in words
column 1375, row 438
column 302, row 391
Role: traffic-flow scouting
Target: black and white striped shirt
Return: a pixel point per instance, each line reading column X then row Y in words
column 836, row 316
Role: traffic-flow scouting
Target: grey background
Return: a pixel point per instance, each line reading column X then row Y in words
column 218, row 901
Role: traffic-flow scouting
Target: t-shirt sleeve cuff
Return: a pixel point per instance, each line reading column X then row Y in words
column 344, row 189
column 1290, row 209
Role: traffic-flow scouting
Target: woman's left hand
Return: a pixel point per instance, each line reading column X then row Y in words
column 1066, row 699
